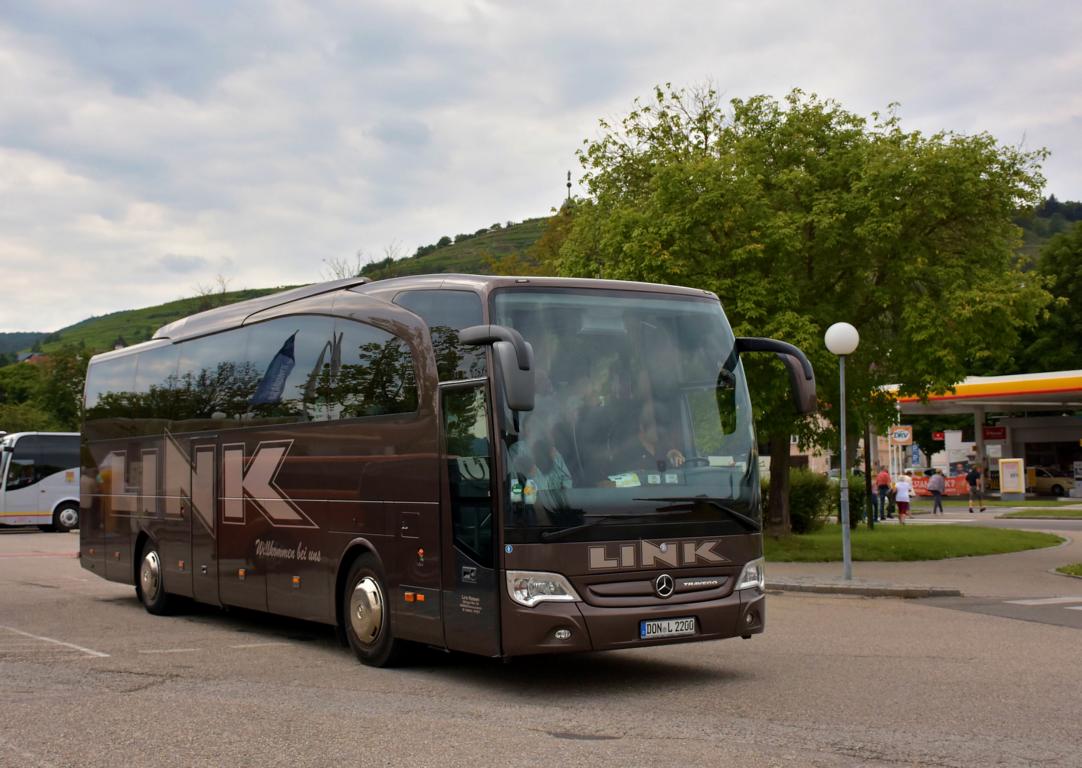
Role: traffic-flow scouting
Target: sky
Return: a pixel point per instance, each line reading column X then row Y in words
column 148, row 148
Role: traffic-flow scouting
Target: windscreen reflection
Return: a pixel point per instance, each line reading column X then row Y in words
column 642, row 426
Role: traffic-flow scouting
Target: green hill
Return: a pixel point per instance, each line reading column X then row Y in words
column 469, row 253
column 19, row 340
column 132, row 326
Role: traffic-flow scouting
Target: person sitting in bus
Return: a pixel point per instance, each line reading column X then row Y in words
column 647, row 450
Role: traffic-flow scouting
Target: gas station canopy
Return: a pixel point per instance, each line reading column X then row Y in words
column 1052, row 391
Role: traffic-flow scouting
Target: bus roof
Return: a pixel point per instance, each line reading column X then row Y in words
column 233, row 315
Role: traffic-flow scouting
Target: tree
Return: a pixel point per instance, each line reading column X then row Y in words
column 61, row 392
column 799, row 214
column 1055, row 343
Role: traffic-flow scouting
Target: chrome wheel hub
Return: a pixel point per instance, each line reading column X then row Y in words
column 150, row 577
column 366, row 607
column 69, row 517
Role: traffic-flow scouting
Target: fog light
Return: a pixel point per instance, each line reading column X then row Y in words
column 562, row 634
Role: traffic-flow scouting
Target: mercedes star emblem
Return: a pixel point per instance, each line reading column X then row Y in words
column 664, row 585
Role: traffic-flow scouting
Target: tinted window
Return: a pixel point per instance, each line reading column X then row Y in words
column 465, row 429
column 446, row 313
column 109, row 384
column 214, row 380
column 369, row 372
column 290, row 354
column 39, row 456
column 155, row 390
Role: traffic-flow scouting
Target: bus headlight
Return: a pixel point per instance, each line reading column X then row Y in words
column 532, row 587
column 752, row 576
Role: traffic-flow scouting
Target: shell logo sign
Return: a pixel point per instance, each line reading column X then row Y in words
column 901, row 435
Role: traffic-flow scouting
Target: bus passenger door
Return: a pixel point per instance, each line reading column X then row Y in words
column 470, row 602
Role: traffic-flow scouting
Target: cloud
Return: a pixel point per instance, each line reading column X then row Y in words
column 144, row 149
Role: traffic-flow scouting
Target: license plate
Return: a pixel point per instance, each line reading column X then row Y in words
column 652, row 628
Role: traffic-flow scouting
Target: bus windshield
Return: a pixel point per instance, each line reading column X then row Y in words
column 642, row 426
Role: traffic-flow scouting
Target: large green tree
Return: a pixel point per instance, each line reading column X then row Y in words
column 799, row 214
column 1056, row 344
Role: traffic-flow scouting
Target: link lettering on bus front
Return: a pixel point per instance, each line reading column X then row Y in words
column 672, row 554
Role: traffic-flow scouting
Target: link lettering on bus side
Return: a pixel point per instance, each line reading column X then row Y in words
column 194, row 482
column 254, row 482
column 672, row 554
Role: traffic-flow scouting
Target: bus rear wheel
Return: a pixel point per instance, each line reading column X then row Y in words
column 150, row 584
column 366, row 614
column 66, row 518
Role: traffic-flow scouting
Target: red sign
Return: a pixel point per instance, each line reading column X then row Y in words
column 954, row 486
column 995, row 433
column 938, row 436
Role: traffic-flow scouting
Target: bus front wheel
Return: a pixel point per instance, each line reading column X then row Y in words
column 367, row 614
column 149, row 584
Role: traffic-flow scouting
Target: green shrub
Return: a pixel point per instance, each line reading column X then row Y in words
column 859, row 502
column 810, row 497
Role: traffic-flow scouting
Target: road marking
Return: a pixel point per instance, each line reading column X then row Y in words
column 172, row 650
column 1073, row 607
column 1045, row 601
column 256, row 645
column 87, row 651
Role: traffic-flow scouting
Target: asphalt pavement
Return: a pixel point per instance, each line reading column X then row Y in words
column 90, row 679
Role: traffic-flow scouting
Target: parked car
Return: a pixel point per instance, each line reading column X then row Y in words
column 1051, row 480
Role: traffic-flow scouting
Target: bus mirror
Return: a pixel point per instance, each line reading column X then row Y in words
column 514, row 357
column 801, row 373
column 518, row 384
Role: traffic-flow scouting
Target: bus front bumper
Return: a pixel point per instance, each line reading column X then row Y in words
column 555, row 627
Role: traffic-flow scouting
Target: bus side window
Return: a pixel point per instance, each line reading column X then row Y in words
column 372, row 374
column 446, row 313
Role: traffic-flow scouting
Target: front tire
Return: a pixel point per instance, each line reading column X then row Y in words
column 66, row 518
column 366, row 613
column 1057, row 490
column 150, row 582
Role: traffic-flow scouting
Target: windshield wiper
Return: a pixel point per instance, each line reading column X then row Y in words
column 688, row 503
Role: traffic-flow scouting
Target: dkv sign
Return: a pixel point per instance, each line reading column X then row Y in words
column 901, row 435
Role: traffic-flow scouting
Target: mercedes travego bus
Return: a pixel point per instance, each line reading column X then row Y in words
column 497, row 465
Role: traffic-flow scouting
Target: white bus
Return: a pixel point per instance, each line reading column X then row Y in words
column 40, row 485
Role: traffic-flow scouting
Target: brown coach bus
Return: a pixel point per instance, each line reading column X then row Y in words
column 497, row 465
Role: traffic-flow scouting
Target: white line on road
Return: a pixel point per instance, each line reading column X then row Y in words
column 88, row 651
column 1046, row 601
column 1073, row 607
column 256, row 645
column 172, row 650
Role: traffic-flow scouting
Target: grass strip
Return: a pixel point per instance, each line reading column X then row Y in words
column 1074, row 569
column 1044, row 512
column 895, row 543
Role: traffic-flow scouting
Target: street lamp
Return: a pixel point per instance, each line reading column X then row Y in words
column 841, row 340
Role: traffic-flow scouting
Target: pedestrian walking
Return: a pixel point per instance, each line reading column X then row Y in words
column 903, row 490
column 937, row 484
column 882, row 483
column 976, row 488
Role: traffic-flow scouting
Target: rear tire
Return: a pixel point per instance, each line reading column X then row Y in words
column 150, row 582
column 66, row 517
column 366, row 614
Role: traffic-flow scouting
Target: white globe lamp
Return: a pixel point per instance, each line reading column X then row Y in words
column 842, row 339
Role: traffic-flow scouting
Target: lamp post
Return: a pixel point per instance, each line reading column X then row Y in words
column 841, row 340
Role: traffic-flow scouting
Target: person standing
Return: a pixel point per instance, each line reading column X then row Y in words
column 903, row 490
column 937, row 484
column 882, row 483
column 976, row 490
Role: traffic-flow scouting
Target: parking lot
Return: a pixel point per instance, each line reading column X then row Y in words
column 88, row 678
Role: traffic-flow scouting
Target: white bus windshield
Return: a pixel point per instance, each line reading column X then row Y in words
column 642, row 426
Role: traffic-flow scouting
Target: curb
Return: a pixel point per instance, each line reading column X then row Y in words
column 862, row 589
